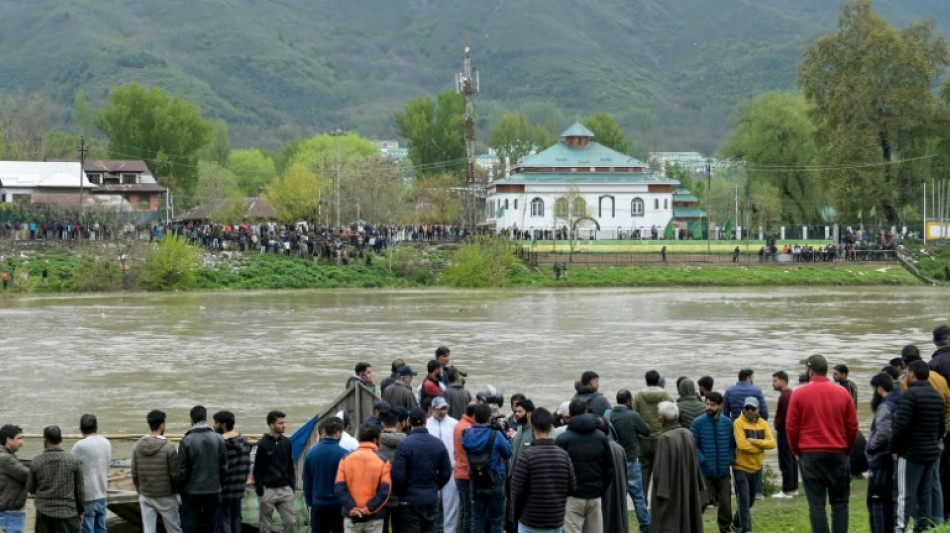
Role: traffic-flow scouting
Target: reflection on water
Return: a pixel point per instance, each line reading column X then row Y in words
column 120, row 356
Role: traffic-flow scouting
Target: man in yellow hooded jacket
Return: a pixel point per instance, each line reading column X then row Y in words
column 753, row 437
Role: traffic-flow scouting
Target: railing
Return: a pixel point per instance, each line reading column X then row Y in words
column 546, row 259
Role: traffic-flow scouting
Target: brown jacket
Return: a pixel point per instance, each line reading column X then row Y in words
column 155, row 466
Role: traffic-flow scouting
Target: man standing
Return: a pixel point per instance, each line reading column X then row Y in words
column 840, row 375
column 716, row 450
column 399, row 393
column 420, row 470
column 389, row 439
column 363, row 484
column 822, row 424
column 319, row 478
column 155, row 475
column 753, row 437
column 542, row 480
column 442, row 426
column 444, row 356
column 484, row 439
column 13, row 475
column 880, row 462
column 362, row 373
column 432, row 386
column 94, row 453
column 589, row 450
column 456, row 395
column 274, row 474
column 786, row 460
column 647, row 402
column 524, row 436
column 630, row 428
column 239, row 466
column 688, row 403
column 393, row 377
column 705, row 385
column 587, row 392
column 463, row 480
column 202, row 466
column 918, row 428
column 677, row 483
column 736, row 395
column 55, row 479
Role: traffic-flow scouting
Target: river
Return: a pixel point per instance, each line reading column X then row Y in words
column 120, row 356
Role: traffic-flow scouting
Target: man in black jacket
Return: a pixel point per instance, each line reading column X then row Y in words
column 918, row 427
column 274, row 475
column 542, row 480
column 630, row 426
column 202, row 466
column 590, row 455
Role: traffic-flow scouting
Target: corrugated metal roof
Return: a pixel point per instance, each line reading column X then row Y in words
column 257, row 209
column 29, row 174
column 593, row 155
column 587, row 178
column 577, row 130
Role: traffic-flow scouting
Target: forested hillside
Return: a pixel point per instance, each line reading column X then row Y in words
column 671, row 72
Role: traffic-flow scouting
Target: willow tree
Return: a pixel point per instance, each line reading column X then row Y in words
column 870, row 84
column 514, row 137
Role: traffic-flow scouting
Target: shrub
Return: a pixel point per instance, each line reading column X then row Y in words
column 171, row 265
column 484, row 261
column 95, row 274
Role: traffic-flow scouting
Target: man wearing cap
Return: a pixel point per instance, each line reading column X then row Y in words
column 442, row 426
column 375, row 419
column 421, row 467
column 753, row 437
column 400, row 392
column 821, row 425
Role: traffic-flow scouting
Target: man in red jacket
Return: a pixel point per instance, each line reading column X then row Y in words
column 821, row 426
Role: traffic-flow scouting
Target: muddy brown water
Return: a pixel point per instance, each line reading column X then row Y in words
column 121, row 356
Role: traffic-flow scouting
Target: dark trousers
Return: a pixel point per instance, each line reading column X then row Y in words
column 200, row 513
column 326, row 519
column 787, row 465
column 945, row 476
column 647, row 451
column 464, row 487
column 720, row 492
column 881, row 497
column 489, row 509
column 826, row 475
column 912, row 493
column 745, row 498
column 419, row 519
column 47, row 524
column 231, row 516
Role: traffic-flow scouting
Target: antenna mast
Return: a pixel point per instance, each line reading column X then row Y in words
column 466, row 83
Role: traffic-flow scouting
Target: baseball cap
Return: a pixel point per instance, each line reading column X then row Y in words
column 382, row 406
column 816, row 362
column 406, row 370
column 440, row 403
column 402, row 413
column 417, row 416
column 563, row 409
column 751, row 400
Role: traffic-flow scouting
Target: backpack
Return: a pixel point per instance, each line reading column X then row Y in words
column 483, row 477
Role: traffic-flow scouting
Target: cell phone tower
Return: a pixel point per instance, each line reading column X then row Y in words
column 466, row 83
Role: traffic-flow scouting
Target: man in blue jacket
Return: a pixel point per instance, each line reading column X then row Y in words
column 488, row 500
column 421, row 467
column 716, row 450
column 319, row 478
column 735, row 395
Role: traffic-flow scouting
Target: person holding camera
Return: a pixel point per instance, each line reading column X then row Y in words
column 487, row 449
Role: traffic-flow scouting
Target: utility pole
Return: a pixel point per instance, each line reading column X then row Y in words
column 338, row 133
column 82, row 174
column 466, row 84
column 708, row 207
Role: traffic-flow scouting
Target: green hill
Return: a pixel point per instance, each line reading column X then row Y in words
column 671, row 71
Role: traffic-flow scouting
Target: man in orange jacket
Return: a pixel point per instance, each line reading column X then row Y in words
column 364, row 483
column 462, row 478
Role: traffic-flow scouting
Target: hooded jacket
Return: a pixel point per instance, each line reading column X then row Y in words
column 596, row 401
column 239, row 466
column 879, row 441
column 749, row 455
column 13, row 476
column 475, row 440
column 590, row 455
column 689, row 404
column 155, row 467
column 647, row 403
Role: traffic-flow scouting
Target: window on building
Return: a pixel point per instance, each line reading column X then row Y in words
column 579, row 208
column 609, row 201
column 516, row 203
column 506, row 203
column 129, row 179
column 656, row 203
column 636, row 207
column 95, row 178
column 537, row 207
column 666, row 204
column 560, row 208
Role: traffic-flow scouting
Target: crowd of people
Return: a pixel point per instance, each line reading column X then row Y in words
column 433, row 458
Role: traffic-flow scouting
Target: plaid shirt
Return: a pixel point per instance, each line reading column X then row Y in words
column 56, row 480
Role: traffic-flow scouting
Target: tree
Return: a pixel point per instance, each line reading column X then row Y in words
column 253, row 168
column 297, row 194
column 215, row 183
column 773, row 135
column 435, row 200
column 24, row 121
column 435, row 132
column 571, row 209
column 165, row 132
column 375, row 191
column 608, row 133
column 84, row 115
column 870, row 83
column 219, row 147
column 515, row 137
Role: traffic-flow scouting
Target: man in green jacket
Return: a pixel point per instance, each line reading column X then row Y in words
column 13, row 476
column 647, row 402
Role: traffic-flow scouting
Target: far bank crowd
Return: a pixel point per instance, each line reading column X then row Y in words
column 435, row 459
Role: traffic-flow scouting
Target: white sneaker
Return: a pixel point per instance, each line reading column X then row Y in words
column 782, row 495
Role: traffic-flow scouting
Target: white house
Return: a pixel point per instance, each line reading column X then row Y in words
column 619, row 193
column 20, row 180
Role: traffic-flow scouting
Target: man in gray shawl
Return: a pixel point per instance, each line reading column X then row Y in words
column 675, row 502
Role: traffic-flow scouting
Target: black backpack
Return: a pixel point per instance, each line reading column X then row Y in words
column 483, row 477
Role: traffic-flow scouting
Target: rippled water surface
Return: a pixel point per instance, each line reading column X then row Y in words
column 120, row 356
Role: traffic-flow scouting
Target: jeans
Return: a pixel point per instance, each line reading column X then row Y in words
column 199, row 513
column 464, row 487
column 231, row 516
column 936, row 496
column 720, row 491
column 826, row 474
column 491, row 505
column 881, row 497
column 283, row 499
column 326, row 519
column 787, row 464
column 635, row 490
column 647, row 451
column 12, row 521
column 745, row 498
column 165, row 506
column 94, row 516
column 525, row 529
column 913, row 493
column 419, row 519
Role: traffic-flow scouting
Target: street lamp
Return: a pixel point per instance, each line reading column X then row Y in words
column 338, row 133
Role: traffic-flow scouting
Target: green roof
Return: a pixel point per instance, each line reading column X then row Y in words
column 592, row 155
column 577, row 130
column 688, row 212
column 585, row 177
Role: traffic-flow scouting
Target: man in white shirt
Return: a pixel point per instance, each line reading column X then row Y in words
column 94, row 453
column 442, row 426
